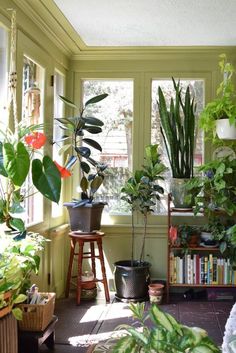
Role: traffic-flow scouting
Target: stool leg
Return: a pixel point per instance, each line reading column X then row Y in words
column 72, row 251
column 80, row 260
column 93, row 258
column 104, row 278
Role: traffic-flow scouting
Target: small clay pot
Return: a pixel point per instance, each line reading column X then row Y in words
column 155, row 291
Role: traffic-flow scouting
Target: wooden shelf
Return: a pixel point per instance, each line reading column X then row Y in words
column 200, row 248
column 202, row 285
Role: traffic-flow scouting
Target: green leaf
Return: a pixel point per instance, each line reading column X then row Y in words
column 84, row 184
column 125, row 345
column 17, row 223
column 93, row 129
column 92, row 143
column 20, row 298
column 16, row 163
column 96, row 99
column 68, row 102
column 93, row 121
column 2, row 169
column 85, row 167
column 47, row 178
column 17, row 312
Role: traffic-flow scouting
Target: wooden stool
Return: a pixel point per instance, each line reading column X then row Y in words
column 81, row 238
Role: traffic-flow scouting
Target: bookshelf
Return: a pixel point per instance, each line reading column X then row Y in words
column 195, row 267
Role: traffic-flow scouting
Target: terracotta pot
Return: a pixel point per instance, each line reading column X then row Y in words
column 155, row 291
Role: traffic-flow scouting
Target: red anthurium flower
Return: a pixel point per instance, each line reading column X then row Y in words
column 36, row 140
column 173, row 233
column 65, row 173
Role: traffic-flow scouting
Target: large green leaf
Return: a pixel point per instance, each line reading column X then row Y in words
column 96, row 99
column 16, row 162
column 17, row 223
column 93, row 143
column 2, row 169
column 68, row 102
column 46, row 178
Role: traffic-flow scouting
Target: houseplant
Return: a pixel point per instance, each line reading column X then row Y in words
column 18, row 148
column 18, row 260
column 178, row 131
column 91, row 179
column 165, row 335
column 219, row 116
column 215, row 188
column 141, row 192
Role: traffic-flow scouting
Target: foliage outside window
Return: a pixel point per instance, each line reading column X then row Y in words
column 116, row 138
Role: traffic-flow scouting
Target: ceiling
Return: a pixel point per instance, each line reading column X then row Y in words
column 152, row 22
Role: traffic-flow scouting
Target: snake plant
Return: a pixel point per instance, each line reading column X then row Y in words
column 178, row 130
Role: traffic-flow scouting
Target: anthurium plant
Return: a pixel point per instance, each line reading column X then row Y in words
column 18, row 164
column 18, row 260
column 165, row 334
column 92, row 172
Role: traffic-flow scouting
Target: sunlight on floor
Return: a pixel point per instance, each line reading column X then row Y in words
column 84, row 340
column 114, row 311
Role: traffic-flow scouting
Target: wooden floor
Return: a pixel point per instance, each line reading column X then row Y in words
column 93, row 321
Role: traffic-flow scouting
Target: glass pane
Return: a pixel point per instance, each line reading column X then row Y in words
column 116, row 111
column 197, row 90
column 33, row 83
column 59, row 82
column 3, row 76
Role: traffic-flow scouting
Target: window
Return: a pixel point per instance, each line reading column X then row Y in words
column 197, row 90
column 59, row 82
column 116, row 111
column 3, row 75
column 32, row 111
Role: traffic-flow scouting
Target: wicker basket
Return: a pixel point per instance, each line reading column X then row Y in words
column 36, row 317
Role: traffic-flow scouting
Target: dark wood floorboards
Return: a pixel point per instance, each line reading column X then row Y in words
column 80, row 326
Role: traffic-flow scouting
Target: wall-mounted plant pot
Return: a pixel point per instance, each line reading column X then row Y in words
column 179, row 193
column 85, row 218
column 224, row 130
column 131, row 280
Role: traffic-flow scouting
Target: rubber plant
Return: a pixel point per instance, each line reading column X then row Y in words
column 165, row 334
column 178, row 130
column 142, row 191
column 73, row 139
column 18, row 162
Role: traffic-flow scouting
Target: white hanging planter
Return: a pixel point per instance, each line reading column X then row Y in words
column 224, row 130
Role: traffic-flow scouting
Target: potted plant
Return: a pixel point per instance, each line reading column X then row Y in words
column 178, row 131
column 215, row 188
column 18, row 260
column 219, row 116
column 188, row 236
column 141, row 192
column 85, row 213
column 17, row 161
column 165, row 334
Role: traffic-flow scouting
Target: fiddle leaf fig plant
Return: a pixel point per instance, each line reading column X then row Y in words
column 142, row 191
column 75, row 128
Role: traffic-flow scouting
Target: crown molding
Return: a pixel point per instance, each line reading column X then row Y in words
column 150, row 53
column 46, row 15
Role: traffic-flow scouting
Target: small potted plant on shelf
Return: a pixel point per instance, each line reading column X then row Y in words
column 85, row 213
column 141, row 192
column 178, row 131
column 219, row 116
column 188, row 236
column 165, row 334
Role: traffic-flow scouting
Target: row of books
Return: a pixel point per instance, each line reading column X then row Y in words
column 198, row 269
